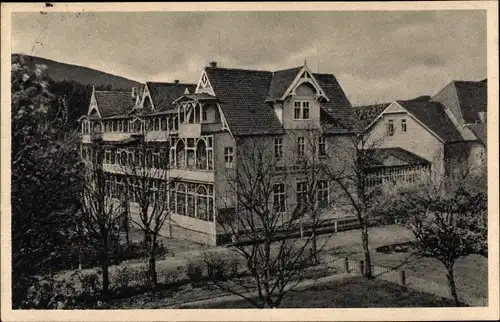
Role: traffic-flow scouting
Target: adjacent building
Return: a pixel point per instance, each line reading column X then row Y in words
column 436, row 134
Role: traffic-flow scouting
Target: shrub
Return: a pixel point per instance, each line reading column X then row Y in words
column 233, row 267
column 194, row 273
column 122, row 278
column 216, row 269
column 90, row 285
column 49, row 293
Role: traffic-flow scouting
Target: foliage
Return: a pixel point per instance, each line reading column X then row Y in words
column 194, row 272
column 45, row 178
column 448, row 219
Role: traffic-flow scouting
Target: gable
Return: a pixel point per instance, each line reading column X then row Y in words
column 204, row 85
column 305, row 76
column 394, row 108
column 93, row 107
column 146, row 99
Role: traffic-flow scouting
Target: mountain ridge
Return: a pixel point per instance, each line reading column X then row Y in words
column 60, row 71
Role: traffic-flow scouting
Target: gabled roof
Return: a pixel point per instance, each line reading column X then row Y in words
column 164, row 94
column 433, row 115
column 112, row 103
column 390, row 157
column 243, row 94
column 280, row 82
column 341, row 116
column 472, row 98
column 480, row 131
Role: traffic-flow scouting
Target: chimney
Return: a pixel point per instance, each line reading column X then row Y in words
column 134, row 92
column 213, row 64
column 176, row 81
column 482, row 116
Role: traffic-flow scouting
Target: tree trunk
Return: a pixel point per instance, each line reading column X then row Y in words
column 152, row 264
column 451, row 283
column 126, row 227
column 314, row 245
column 147, row 239
column 105, row 268
column 366, row 250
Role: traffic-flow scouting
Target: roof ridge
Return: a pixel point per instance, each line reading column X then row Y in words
column 113, row 92
column 240, row 69
column 287, row 69
column 170, row 83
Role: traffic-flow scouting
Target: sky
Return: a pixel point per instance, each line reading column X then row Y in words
column 377, row 56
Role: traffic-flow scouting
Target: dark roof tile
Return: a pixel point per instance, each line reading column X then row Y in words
column 243, row 94
column 163, row 94
column 282, row 79
column 390, row 157
column 341, row 115
column 434, row 116
column 473, row 98
column 112, row 103
column 368, row 113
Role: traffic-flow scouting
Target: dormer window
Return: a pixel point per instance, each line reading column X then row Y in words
column 301, row 110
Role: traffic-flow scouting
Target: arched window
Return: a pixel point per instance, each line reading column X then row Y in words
column 182, row 111
column 137, row 126
column 181, row 199
column 202, row 202
column 201, row 154
column 180, row 154
column 197, row 113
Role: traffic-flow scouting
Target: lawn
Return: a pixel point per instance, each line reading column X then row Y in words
column 357, row 293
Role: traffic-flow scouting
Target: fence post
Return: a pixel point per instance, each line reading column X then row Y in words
column 346, row 265
column 402, row 277
column 362, row 267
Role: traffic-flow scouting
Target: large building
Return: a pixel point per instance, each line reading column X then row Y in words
column 200, row 129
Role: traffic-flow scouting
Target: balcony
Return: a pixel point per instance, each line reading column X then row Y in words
column 192, row 174
column 190, row 130
column 96, row 136
column 209, row 128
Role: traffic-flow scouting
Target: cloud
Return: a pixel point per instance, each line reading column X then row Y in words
column 376, row 55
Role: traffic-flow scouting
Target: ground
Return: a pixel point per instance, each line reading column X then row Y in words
column 471, row 272
column 356, row 293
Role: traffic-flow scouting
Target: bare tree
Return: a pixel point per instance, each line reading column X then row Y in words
column 448, row 217
column 146, row 170
column 361, row 197
column 260, row 223
column 100, row 213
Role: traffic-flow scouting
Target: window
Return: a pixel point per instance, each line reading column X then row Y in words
column 403, row 125
column 301, row 110
column 301, row 194
column 390, row 127
column 204, row 115
column 300, row 146
column 322, row 194
column 279, row 197
column 321, row 146
column 229, row 157
column 278, row 147
column 296, row 111
column 305, row 110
